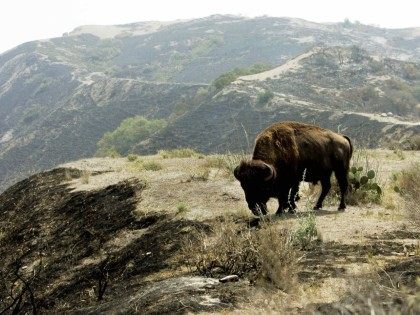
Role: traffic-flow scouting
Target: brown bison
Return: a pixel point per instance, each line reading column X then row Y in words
column 287, row 153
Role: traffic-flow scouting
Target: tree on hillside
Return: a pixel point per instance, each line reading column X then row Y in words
column 130, row 132
column 228, row 77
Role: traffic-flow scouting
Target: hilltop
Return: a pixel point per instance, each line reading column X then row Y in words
column 153, row 234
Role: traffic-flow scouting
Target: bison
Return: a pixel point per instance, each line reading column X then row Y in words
column 287, row 153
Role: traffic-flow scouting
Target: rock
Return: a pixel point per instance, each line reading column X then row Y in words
column 230, row 278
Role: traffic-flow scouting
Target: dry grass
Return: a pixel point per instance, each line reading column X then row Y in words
column 265, row 256
column 85, row 178
column 407, row 184
column 152, row 166
column 132, row 157
column 178, row 153
column 225, row 162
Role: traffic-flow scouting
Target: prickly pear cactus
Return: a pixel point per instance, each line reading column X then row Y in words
column 363, row 180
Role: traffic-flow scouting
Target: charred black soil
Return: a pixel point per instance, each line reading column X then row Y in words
column 64, row 250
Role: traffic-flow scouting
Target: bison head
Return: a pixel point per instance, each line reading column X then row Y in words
column 256, row 179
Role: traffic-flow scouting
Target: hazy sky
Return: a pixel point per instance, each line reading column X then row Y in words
column 26, row 20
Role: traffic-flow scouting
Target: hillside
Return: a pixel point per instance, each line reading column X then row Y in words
column 342, row 89
column 153, row 234
column 58, row 97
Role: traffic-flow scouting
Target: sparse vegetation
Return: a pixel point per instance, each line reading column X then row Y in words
column 406, row 183
column 264, row 97
column 362, row 185
column 85, row 178
column 398, row 152
column 181, row 208
column 306, row 234
column 152, row 166
column 225, row 162
column 265, row 256
column 228, row 77
column 178, row 153
column 132, row 157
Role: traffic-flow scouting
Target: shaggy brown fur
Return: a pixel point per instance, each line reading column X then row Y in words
column 287, row 153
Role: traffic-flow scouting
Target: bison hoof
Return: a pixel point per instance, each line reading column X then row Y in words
column 279, row 212
column 341, row 208
column 291, row 210
column 317, row 207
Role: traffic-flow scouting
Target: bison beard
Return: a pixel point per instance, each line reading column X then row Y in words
column 283, row 153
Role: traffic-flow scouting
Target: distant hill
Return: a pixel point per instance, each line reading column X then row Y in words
column 59, row 96
column 373, row 100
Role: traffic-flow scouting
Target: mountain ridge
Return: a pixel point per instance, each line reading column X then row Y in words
column 58, row 97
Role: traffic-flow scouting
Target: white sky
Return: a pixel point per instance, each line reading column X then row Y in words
column 26, row 20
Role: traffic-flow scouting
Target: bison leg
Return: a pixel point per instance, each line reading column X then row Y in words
column 283, row 203
column 343, row 184
column 287, row 199
column 326, row 186
column 259, row 209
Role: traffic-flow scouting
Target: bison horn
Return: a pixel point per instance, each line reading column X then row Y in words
column 236, row 172
column 272, row 173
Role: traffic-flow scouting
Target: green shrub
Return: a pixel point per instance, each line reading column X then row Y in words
column 230, row 76
column 130, row 132
column 264, row 97
column 132, row 157
column 307, row 233
column 152, row 166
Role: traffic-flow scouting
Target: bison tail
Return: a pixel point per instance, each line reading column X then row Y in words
column 351, row 145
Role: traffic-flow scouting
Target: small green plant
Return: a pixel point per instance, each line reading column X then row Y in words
column 307, row 233
column 152, row 166
column 181, row 208
column 132, row 157
column 363, row 187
